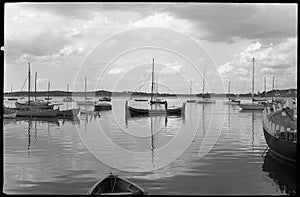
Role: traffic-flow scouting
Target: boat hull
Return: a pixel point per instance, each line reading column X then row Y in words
column 39, row 105
column 85, row 102
column 170, row 111
column 284, row 149
column 251, row 106
column 205, row 101
column 114, row 185
column 33, row 112
column 191, row 101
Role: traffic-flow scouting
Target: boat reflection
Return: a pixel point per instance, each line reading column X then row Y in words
column 41, row 120
column 74, row 120
column 283, row 173
column 158, row 123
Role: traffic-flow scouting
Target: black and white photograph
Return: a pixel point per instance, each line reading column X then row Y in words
column 149, row 98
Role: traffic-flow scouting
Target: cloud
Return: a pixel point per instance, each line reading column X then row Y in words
column 164, row 20
column 116, row 71
column 270, row 59
column 171, row 68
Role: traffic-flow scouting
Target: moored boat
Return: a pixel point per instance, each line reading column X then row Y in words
column 115, row 185
column 34, row 104
column 36, row 112
column 155, row 108
column 206, row 98
column 280, row 131
column 252, row 105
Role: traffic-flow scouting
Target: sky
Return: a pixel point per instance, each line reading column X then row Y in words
column 114, row 44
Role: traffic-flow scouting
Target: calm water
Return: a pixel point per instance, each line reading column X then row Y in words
column 212, row 149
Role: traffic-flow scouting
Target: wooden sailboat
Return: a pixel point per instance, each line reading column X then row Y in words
column 206, row 98
column 231, row 101
column 36, row 103
column 155, row 108
column 252, row 106
column 33, row 110
column 68, row 99
column 115, row 185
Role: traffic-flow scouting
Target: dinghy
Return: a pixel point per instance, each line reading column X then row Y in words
column 114, row 185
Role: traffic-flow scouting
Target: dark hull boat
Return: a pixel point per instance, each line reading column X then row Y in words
column 40, row 105
column 114, row 185
column 280, row 131
column 12, row 99
column 35, row 112
column 169, row 111
column 141, row 100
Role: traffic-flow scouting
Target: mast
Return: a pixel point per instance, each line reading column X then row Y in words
column 203, row 82
column 85, row 88
column 253, row 80
column 156, row 85
column 265, row 86
column 191, row 86
column 67, row 90
column 273, row 86
column 48, row 90
column 229, row 90
column 11, row 89
column 35, row 86
column 152, row 84
column 28, row 83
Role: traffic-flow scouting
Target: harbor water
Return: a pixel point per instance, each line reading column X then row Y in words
column 210, row 149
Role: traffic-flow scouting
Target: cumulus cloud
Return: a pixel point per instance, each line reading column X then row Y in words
column 271, row 59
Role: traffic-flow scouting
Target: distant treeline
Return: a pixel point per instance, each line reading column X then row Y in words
column 283, row 93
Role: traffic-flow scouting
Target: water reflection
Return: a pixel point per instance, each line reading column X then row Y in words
column 160, row 133
column 283, row 173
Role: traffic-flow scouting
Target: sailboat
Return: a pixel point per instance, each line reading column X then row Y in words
column 231, row 101
column 252, row 106
column 261, row 99
column 33, row 110
column 12, row 98
column 85, row 102
column 154, row 107
column 206, row 98
column 68, row 99
column 34, row 103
